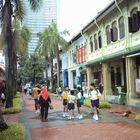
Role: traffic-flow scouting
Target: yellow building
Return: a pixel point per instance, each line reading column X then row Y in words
column 113, row 52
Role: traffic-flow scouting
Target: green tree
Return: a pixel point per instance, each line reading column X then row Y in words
column 7, row 13
column 8, row 38
column 51, row 42
column 31, row 69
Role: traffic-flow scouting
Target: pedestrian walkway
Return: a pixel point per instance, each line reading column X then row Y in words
column 109, row 126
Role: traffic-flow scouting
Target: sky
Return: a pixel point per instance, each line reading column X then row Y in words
column 73, row 15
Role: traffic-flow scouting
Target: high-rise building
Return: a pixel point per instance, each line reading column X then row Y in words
column 37, row 21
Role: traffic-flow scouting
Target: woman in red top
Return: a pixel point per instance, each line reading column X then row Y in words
column 44, row 101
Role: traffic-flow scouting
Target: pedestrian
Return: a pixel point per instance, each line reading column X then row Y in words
column 64, row 96
column 71, row 105
column 44, row 102
column 94, row 98
column 3, row 98
column 35, row 94
column 79, row 103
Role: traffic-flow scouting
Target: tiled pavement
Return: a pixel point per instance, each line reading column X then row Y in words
column 109, row 127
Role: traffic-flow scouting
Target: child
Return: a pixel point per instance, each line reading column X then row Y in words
column 94, row 97
column 71, row 105
column 78, row 97
column 65, row 102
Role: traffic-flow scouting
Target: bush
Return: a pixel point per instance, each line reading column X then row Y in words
column 103, row 104
column 16, row 106
column 15, row 131
column 137, row 118
column 53, row 95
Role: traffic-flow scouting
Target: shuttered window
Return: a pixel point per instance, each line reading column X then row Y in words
column 95, row 42
column 134, row 20
column 121, row 28
column 100, row 39
column 108, row 35
column 114, row 32
column 91, row 44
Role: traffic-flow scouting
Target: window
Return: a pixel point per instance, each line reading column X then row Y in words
column 118, row 76
column 108, row 36
column 100, row 39
column 133, row 11
column 114, row 32
column 121, row 27
column 95, row 42
column 91, row 44
column 134, row 20
column 74, row 57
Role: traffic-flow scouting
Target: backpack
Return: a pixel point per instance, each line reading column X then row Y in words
column 82, row 100
column 65, row 96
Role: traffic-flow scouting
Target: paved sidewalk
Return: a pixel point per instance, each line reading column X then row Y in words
column 109, row 126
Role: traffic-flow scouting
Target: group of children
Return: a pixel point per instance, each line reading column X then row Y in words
column 69, row 101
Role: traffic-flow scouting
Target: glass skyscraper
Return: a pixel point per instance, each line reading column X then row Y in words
column 37, row 21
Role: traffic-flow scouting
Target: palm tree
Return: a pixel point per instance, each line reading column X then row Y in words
column 49, row 42
column 44, row 48
column 58, row 43
column 7, row 14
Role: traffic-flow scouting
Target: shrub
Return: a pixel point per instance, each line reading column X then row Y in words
column 103, row 104
column 15, row 131
column 137, row 118
column 53, row 95
column 16, row 106
column 87, row 102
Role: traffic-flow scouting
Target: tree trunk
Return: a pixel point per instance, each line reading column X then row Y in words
column 14, row 59
column 51, row 82
column 58, row 67
column 46, row 58
column 7, row 26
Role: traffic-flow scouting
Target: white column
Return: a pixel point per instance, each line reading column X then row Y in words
column 106, row 80
column 130, row 77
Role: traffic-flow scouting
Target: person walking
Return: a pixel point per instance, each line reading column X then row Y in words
column 35, row 94
column 79, row 104
column 64, row 96
column 44, row 102
column 71, row 105
column 94, row 98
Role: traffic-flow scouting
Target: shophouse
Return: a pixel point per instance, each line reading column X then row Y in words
column 76, row 62
column 113, row 51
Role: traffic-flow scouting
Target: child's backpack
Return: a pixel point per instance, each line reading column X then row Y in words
column 65, row 96
column 82, row 100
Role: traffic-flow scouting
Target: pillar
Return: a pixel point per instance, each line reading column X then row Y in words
column 130, row 78
column 89, row 76
column 106, row 80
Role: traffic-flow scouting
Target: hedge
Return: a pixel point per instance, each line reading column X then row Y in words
column 15, row 131
column 103, row 104
column 16, row 106
column 137, row 118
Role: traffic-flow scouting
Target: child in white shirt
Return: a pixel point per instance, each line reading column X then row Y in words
column 94, row 98
column 71, row 106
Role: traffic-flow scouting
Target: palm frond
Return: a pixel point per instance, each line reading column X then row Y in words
column 19, row 10
column 35, row 4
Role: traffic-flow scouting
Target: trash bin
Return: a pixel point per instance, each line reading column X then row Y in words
column 122, row 98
